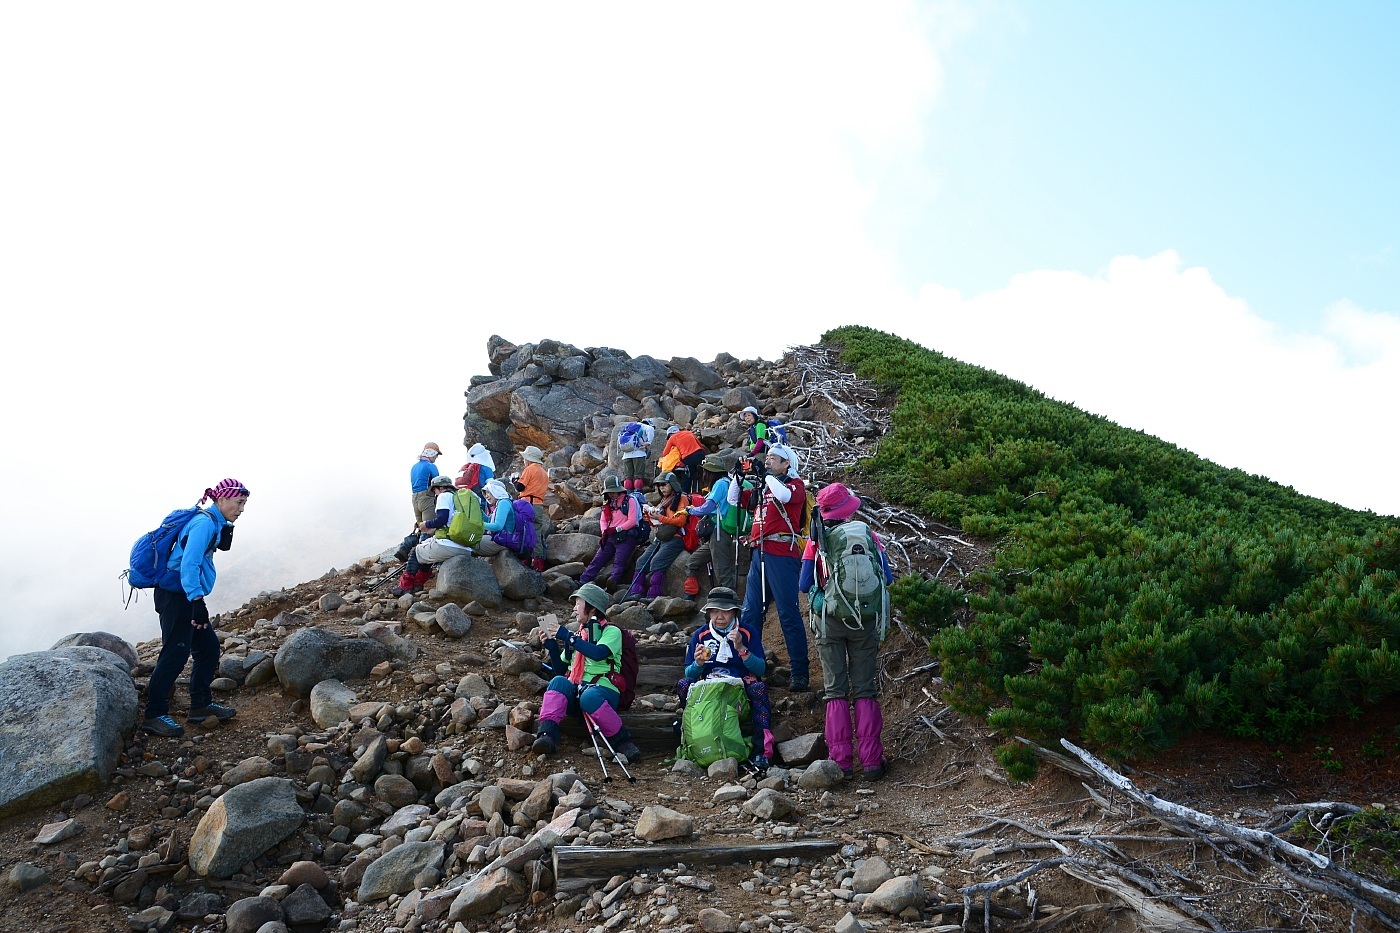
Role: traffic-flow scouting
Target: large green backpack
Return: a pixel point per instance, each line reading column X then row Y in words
column 467, row 524
column 855, row 592
column 712, row 722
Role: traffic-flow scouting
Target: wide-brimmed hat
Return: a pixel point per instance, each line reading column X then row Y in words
column 533, row 454
column 442, row 480
column 837, row 503
column 594, row 595
column 714, row 463
column 721, row 597
column 670, row 479
column 673, row 429
column 613, row 484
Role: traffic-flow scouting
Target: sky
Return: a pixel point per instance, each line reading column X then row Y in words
column 271, row 241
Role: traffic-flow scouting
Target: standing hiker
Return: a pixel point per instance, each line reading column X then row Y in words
column 185, row 628
column 634, row 441
column 778, row 506
column 681, row 455
column 533, row 484
column 846, row 580
column 594, row 658
column 419, row 477
column 622, row 527
column 719, row 543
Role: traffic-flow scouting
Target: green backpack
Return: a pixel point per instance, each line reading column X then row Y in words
column 855, row 592
column 467, row 524
column 737, row 520
column 712, row 722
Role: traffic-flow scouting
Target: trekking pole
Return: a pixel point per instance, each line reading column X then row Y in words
column 593, row 734
column 616, row 757
column 384, row 579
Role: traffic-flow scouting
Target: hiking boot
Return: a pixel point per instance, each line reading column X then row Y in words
column 547, row 740
column 848, row 774
column 692, row 586
column 877, row 772
column 214, row 710
column 798, row 686
column 759, row 763
column 163, row 725
column 629, row 749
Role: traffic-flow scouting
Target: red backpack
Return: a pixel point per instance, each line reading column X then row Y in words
column 625, row 678
column 692, row 524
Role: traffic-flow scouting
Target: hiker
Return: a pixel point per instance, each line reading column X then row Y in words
column 634, row 441
column 440, row 546
column 532, row 484
column 504, row 530
column 419, row 477
column 668, row 522
column 755, row 438
column 623, row 527
column 185, row 628
column 594, row 656
column 681, row 455
column 720, row 547
column 479, row 468
column 847, row 644
column 721, row 647
column 778, row 508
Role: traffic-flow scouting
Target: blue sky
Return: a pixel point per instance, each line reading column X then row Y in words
column 1256, row 139
column 1179, row 216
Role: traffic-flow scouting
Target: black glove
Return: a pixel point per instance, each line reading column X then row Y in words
column 226, row 536
column 199, row 613
column 519, row 487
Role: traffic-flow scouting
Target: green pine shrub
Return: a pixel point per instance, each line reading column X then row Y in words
column 1139, row 592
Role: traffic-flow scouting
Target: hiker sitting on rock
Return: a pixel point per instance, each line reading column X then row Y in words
column 594, row 657
column 505, row 523
column 668, row 521
column 417, row 570
column 846, row 579
column 723, row 648
column 622, row 526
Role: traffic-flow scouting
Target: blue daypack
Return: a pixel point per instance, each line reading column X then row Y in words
column 150, row 555
column 776, row 431
column 630, row 438
column 523, row 539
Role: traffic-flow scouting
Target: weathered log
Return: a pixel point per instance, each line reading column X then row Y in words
column 579, row 866
column 651, row 730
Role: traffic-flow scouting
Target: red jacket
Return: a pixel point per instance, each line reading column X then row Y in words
column 777, row 525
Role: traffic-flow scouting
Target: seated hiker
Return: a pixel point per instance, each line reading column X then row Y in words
column 846, row 579
column 456, row 528
column 681, row 455
column 668, row 522
column 478, row 470
column 510, row 524
column 594, row 658
column 722, row 648
column 623, row 528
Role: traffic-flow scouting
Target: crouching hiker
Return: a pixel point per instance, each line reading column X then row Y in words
column 594, row 658
column 623, row 527
column 185, row 628
column 846, row 578
column 722, row 648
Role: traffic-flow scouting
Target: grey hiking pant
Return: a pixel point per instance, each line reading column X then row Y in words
column 719, row 552
column 849, row 660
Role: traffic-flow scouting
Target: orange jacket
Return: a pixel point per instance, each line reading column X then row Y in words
column 683, row 442
column 536, row 483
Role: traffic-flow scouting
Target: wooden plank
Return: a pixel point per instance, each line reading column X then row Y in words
column 579, row 866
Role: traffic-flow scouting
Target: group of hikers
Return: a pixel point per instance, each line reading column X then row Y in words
column 744, row 521
column 739, row 520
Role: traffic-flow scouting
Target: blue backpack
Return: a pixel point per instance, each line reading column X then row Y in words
column 150, row 555
column 776, row 432
column 523, row 538
column 631, row 437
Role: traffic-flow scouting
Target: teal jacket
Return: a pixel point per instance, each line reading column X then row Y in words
column 193, row 554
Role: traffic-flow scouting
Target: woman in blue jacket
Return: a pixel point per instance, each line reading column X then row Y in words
column 185, row 628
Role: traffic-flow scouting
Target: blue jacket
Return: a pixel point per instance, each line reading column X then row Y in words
column 199, row 538
column 503, row 518
column 716, row 503
column 422, row 474
column 695, row 669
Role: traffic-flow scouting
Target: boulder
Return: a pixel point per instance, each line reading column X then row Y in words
column 896, row 895
column 870, row 874
column 244, row 823
column 657, row 822
column 51, row 751
column 696, row 375
column 105, row 640
column 803, row 750
column 401, row 869
column 251, row 913
column 453, row 621
column 636, row 378
column 395, row 790
column 768, row 804
column 304, row 908
column 822, row 774
column 487, row 894
column 311, row 655
column 330, row 703
column 466, row 579
column 517, row 581
column 570, row 547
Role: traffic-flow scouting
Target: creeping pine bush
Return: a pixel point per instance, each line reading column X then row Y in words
column 1139, row 591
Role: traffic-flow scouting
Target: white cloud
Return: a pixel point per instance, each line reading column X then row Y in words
column 1162, row 348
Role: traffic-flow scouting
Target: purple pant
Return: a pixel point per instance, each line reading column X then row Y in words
column 612, row 549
